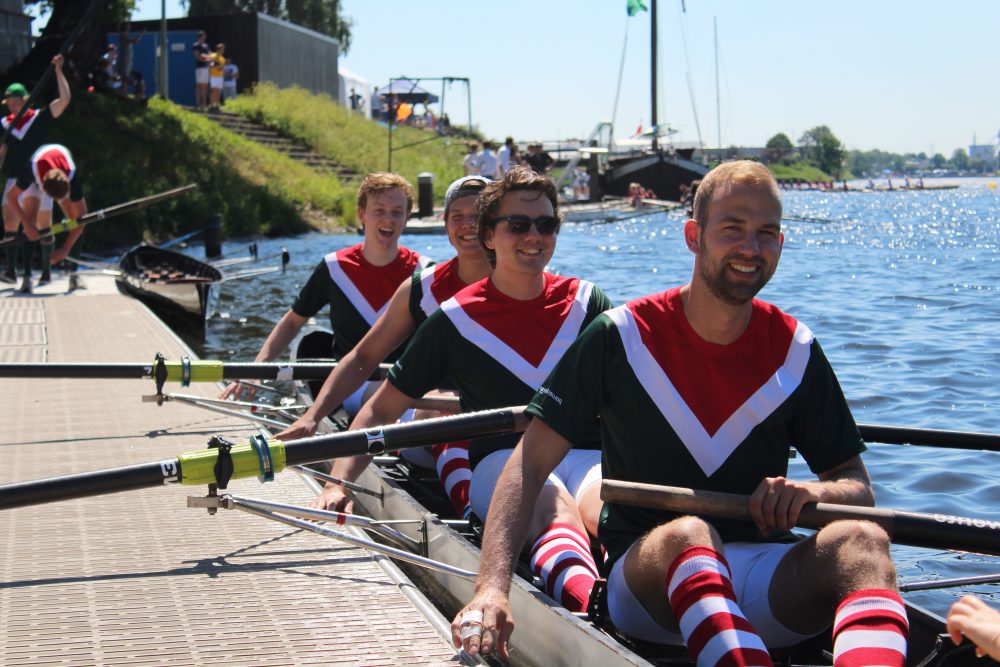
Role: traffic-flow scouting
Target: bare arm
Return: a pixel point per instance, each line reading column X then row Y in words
column 59, row 104
column 388, row 333
column 73, row 210
column 281, row 335
column 776, row 503
column 385, row 407
column 511, row 509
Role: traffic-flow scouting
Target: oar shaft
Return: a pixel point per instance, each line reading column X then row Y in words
column 96, row 483
column 898, row 435
column 923, row 530
column 201, row 371
column 198, row 467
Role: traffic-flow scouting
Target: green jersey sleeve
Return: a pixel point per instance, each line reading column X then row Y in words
column 315, row 294
column 426, row 359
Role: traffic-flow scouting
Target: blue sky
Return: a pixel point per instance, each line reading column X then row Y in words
column 900, row 76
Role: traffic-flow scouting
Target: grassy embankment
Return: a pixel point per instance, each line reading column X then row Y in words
column 125, row 151
column 352, row 140
column 800, row 170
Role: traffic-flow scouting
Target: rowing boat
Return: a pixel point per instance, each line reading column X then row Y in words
column 546, row 634
column 175, row 283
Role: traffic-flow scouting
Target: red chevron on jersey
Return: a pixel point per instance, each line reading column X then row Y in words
column 366, row 286
column 439, row 283
column 49, row 157
column 23, row 125
column 712, row 395
column 526, row 337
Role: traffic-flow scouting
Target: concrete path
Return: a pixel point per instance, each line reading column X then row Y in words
column 137, row 578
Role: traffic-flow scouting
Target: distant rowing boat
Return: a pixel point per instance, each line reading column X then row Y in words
column 179, row 284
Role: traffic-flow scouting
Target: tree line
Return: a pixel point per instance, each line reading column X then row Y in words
column 821, row 148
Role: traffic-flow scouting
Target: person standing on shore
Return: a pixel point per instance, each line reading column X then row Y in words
column 470, row 165
column 506, row 157
column 216, row 75
column 487, row 161
column 23, row 139
column 202, row 57
column 704, row 386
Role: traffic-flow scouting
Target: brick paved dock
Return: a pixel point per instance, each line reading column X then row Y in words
column 137, row 578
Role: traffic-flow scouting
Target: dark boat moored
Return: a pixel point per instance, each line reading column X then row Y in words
column 175, row 284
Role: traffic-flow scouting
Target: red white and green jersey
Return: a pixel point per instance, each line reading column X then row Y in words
column 44, row 160
column 680, row 411
column 497, row 350
column 433, row 286
column 356, row 290
column 31, row 131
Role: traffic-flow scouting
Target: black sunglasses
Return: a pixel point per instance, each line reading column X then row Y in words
column 520, row 224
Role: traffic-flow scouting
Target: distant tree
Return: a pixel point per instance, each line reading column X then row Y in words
column 938, row 161
column 960, row 159
column 823, row 149
column 778, row 148
column 320, row 15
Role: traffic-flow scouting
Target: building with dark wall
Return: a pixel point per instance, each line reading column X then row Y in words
column 264, row 48
column 15, row 33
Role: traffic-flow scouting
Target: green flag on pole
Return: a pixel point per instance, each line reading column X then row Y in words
column 633, row 7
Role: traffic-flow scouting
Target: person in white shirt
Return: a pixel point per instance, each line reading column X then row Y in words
column 488, row 161
column 506, row 157
column 470, row 165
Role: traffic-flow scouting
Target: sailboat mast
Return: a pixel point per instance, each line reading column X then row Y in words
column 652, row 72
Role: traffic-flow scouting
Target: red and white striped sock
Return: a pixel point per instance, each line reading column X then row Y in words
column 870, row 629
column 452, row 462
column 561, row 558
column 704, row 604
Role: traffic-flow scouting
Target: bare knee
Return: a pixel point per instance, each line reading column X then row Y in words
column 857, row 554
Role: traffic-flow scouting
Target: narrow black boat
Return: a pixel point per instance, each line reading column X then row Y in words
column 173, row 283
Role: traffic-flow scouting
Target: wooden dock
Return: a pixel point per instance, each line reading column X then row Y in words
column 137, row 578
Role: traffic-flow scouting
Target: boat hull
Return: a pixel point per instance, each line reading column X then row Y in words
column 661, row 172
column 173, row 283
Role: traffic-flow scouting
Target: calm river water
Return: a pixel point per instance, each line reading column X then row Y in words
column 901, row 288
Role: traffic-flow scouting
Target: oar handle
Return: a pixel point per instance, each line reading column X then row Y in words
column 937, row 531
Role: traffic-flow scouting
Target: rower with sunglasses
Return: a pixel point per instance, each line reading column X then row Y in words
column 414, row 301
column 496, row 341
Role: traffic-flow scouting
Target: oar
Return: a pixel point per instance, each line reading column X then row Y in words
column 935, row 531
column 110, row 212
column 262, row 458
column 901, row 435
column 184, row 371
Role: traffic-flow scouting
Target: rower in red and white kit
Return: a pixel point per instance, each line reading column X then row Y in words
column 356, row 282
column 414, row 301
column 496, row 341
column 53, row 171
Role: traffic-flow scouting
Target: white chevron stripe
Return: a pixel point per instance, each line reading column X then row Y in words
column 531, row 375
column 428, row 303
column 351, row 291
column 710, row 452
